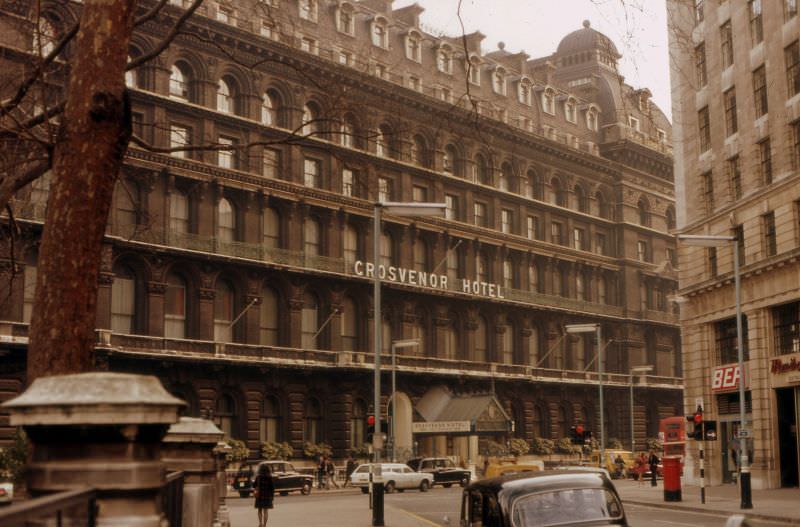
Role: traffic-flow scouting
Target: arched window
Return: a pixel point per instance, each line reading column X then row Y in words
column 449, row 160
column 179, row 81
column 311, row 117
column 571, row 110
column 225, row 96
column 131, row 79
column 349, row 320
column 602, row 205
column 123, row 300
column 419, row 151
column 223, row 311
column 537, row 183
column 350, row 245
column 312, row 424
column 380, row 33
column 45, row 37
column 358, row 424
column 268, row 317
column 270, row 104
column 269, row 426
column 559, row 197
column 178, row 212
column 271, row 228
column 310, row 322
column 227, row 416
column 420, row 255
column 126, row 196
column 669, row 217
column 524, row 91
column 580, row 199
column 226, row 221
column 444, row 60
column 644, row 212
column 499, row 81
column 387, row 249
column 482, row 174
column 549, row 101
column 311, row 237
column 481, row 340
column 508, row 273
column 505, row 177
column 507, row 353
column 175, row 307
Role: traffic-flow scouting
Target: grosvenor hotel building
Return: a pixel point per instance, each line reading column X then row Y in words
column 736, row 104
column 241, row 277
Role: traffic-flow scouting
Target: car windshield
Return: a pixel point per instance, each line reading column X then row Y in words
column 565, row 507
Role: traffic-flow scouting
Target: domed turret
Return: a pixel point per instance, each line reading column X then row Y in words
column 588, row 42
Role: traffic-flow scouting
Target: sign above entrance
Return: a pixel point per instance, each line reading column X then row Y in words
column 441, row 427
column 726, row 378
column 785, row 370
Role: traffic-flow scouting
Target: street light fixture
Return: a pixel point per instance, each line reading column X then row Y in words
column 744, row 461
column 396, row 209
column 636, row 370
column 397, row 344
column 595, row 328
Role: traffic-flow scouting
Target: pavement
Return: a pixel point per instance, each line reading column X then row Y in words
column 774, row 505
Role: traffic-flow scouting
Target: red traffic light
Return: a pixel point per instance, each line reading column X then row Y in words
column 579, row 430
column 698, row 418
column 371, row 420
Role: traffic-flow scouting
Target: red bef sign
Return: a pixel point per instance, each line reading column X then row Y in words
column 725, row 378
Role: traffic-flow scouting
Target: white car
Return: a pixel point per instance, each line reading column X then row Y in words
column 395, row 476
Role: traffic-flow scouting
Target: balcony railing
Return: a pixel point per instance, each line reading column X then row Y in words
column 614, row 133
column 74, row 507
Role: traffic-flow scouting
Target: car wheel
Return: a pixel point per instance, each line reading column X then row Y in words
column 364, row 490
column 464, row 481
column 244, row 494
column 424, row 485
column 306, row 490
column 390, row 487
column 447, row 485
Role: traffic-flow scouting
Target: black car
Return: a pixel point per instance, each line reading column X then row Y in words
column 559, row 497
column 285, row 477
column 444, row 471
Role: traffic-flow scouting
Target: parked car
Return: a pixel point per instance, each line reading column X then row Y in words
column 444, row 471
column 500, row 469
column 396, row 476
column 285, row 477
column 562, row 497
column 6, row 490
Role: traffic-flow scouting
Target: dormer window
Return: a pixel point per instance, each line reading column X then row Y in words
column 475, row 71
column 499, row 81
column 308, row 10
column 549, row 101
column 414, row 47
column 380, row 33
column 633, row 122
column 524, row 91
column 345, row 19
column 225, row 14
column 571, row 110
column 444, row 60
column 591, row 118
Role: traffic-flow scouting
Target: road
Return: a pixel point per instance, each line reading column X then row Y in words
column 416, row 509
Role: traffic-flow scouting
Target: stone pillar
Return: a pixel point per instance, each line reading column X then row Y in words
column 189, row 447
column 99, row 430
column 222, row 517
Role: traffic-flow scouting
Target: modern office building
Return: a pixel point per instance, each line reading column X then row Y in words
column 242, row 276
column 736, row 108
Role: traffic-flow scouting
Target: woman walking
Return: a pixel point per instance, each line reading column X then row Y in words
column 264, row 490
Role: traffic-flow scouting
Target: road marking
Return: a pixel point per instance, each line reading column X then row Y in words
column 674, row 523
column 420, row 518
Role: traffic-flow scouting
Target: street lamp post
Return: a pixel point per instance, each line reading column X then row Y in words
column 396, row 209
column 595, row 328
column 634, row 371
column 397, row 344
column 744, row 461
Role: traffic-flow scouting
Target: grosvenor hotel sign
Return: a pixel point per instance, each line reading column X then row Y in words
column 401, row 275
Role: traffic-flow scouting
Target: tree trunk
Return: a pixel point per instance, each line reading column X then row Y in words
column 88, row 155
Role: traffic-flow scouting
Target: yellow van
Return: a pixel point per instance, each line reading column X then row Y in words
column 614, row 470
column 500, row 469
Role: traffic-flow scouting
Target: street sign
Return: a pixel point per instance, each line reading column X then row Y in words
column 744, row 433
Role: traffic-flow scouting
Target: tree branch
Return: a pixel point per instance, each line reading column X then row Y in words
column 173, row 32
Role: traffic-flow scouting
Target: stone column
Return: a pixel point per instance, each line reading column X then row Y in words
column 189, row 447
column 99, row 430
column 222, row 517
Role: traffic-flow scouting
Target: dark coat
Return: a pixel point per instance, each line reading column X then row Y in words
column 265, row 488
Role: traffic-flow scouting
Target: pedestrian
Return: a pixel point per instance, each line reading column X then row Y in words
column 619, row 464
column 653, row 462
column 321, row 472
column 330, row 473
column 640, row 468
column 264, row 491
column 349, row 468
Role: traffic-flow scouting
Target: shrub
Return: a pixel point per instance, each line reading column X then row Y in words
column 518, row 447
column 239, row 451
column 14, row 458
column 565, row 446
column 494, row 448
column 542, row 446
column 282, row 451
column 314, row 450
column 653, row 444
column 614, row 444
column 360, row 452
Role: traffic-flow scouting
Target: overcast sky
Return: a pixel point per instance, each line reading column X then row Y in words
column 637, row 27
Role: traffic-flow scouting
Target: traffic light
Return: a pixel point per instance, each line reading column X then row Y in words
column 370, row 426
column 578, row 434
column 694, row 428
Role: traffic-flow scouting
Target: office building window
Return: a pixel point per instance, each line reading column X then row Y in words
column 700, row 65
column 227, row 158
column 728, row 342
column 506, row 221
column 175, row 307
column 770, row 236
column 735, row 177
column 179, row 137
column 451, row 207
column 760, row 91
column 704, row 126
column 557, row 233
column 480, row 214
column 726, row 39
column 756, row 23
column 532, row 231
column 578, row 239
column 731, row 119
column 348, row 179
column 642, row 251
column 311, row 172
column 792, row 57
column 708, row 191
column 600, row 243
column 765, row 161
column 786, row 320
column 711, row 255
column 272, row 163
column 385, row 189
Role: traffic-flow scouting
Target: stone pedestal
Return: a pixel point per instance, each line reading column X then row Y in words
column 100, row 430
column 221, row 451
column 189, row 447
